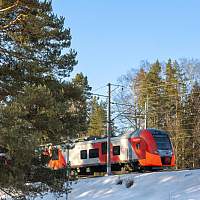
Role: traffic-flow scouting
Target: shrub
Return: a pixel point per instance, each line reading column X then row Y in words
column 119, row 181
column 129, row 183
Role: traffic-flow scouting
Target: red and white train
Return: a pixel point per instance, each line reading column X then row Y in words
column 148, row 148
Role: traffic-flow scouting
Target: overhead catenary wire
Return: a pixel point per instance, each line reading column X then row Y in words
column 131, row 105
column 99, row 88
column 172, row 97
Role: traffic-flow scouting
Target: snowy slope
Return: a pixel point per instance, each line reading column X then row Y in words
column 179, row 185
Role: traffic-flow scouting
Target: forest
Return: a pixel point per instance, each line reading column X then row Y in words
column 40, row 102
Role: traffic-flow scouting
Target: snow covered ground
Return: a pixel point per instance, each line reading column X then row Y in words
column 179, row 185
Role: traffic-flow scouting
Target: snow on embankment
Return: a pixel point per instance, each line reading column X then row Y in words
column 180, row 185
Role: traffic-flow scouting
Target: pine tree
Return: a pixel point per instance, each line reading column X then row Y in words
column 171, row 94
column 38, row 107
column 97, row 124
column 154, row 96
column 25, row 123
column 191, row 124
column 81, row 84
column 31, row 51
column 139, row 96
column 139, row 87
column 174, row 106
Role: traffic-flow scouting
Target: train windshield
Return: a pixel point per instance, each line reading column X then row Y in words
column 162, row 141
column 3, row 150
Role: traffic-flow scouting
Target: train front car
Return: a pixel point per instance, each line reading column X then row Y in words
column 164, row 147
column 153, row 148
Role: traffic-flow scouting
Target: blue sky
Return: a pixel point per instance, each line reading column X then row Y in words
column 113, row 36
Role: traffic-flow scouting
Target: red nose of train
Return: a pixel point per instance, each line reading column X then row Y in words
column 155, row 148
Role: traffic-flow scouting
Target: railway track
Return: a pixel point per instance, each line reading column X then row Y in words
column 102, row 174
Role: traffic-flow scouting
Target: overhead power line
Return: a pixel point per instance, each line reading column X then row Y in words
column 104, row 86
column 99, row 95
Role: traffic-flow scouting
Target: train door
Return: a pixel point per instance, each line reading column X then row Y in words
column 139, row 147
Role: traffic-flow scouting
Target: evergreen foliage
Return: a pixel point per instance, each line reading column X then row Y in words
column 38, row 105
column 32, row 50
column 191, row 124
column 154, row 94
column 139, row 86
column 81, row 84
column 97, row 124
column 172, row 99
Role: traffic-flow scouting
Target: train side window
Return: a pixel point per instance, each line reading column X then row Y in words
column 138, row 146
column 104, row 148
column 93, row 153
column 83, row 154
column 116, row 150
column 54, row 154
column 3, row 150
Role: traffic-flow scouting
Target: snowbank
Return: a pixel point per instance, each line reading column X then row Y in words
column 179, row 185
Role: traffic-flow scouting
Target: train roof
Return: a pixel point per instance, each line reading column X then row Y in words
column 155, row 131
column 137, row 132
column 129, row 134
column 95, row 140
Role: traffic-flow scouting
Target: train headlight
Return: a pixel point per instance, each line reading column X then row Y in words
column 170, row 153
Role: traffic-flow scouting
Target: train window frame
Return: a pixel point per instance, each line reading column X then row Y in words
column 3, row 150
column 137, row 146
column 104, row 148
column 94, row 153
column 55, row 154
column 116, row 150
column 136, row 133
column 162, row 139
column 83, row 154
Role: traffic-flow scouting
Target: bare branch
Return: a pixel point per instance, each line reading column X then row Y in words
column 10, row 7
column 18, row 18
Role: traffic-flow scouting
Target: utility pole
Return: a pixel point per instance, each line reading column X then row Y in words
column 136, row 121
column 193, row 154
column 109, row 130
column 69, row 145
column 146, row 111
column 68, row 168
